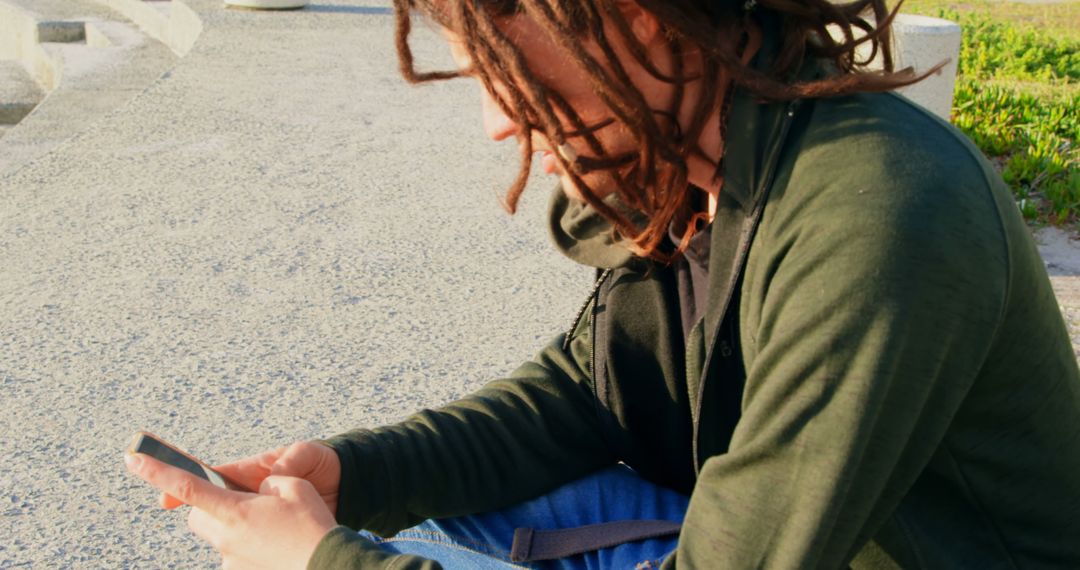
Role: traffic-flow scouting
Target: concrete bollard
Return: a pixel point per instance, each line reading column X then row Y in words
column 922, row 42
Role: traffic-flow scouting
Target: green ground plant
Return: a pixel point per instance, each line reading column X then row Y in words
column 1018, row 97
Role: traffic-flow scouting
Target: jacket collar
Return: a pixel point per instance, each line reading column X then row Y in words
column 755, row 130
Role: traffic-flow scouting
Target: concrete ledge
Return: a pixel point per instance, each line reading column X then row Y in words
column 63, row 66
column 921, row 42
column 19, row 94
column 15, row 24
column 179, row 27
column 97, row 35
column 19, row 42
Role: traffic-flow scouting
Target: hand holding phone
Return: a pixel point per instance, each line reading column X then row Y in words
column 149, row 444
column 278, row 528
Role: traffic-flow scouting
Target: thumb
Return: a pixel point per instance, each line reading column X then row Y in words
column 286, row 487
column 298, row 460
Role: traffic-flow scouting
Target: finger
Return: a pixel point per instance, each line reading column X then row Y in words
column 184, row 486
column 299, row 492
column 300, row 459
column 169, row 502
column 250, row 471
column 289, row 488
column 279, row 486
column 208, row 528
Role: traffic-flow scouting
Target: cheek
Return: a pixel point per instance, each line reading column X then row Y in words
column 579, row 95
column 556, row 70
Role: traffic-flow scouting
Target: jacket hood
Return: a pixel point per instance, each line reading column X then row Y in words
column 583, row 235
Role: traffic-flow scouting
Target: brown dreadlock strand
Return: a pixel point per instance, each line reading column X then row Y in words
column 654, row 148
column 646, row 132
column 483, row 55
column 652, row 180
column 574, row 167
column 405, row 55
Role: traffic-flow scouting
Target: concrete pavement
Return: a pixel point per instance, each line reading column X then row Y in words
column 276, row 239
column 1061, row 253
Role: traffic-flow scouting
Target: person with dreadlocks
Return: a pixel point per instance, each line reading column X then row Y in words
column 820, row 335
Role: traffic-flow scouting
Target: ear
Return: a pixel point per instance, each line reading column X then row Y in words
column 644, row 24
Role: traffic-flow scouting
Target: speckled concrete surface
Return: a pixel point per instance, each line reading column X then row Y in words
column 19, row 94
column 276, row 240
column 1067, row 289
column 1061, row 252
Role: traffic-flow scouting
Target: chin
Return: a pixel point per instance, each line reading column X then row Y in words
column 569, row 188
column 600, row 188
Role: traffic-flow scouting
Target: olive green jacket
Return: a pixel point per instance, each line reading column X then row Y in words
column 882, row 377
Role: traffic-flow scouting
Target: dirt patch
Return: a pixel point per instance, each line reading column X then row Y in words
column 1061, row 252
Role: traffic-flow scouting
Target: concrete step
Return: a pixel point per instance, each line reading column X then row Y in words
column 164, row 7
column 19, row 93
column 56, row 10
column 86, row 58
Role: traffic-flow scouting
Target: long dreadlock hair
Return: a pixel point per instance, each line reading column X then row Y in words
column 652, row 179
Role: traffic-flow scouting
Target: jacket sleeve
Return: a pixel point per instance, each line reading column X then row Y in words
column 865, row 329
column 514, row 439
column 343, row 549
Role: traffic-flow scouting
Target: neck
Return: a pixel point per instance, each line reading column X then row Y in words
column 701, row 167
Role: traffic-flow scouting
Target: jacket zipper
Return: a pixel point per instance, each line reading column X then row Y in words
column 744, row 246
column 601, row 277
column 592, row 324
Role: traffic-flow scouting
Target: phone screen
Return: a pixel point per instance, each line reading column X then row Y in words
column 150, row 445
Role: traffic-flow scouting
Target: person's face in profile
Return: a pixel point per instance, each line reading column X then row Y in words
column 551, row 66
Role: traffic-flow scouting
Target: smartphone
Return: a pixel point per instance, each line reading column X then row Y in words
column 154, row 446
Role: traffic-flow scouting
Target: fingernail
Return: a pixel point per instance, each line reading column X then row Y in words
column 132, row 460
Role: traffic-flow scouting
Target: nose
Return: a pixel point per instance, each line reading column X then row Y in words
column 497, row 125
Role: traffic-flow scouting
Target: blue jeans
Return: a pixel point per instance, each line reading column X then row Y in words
column 483, row 541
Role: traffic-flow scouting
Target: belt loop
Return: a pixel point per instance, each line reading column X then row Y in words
column 519, row 551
